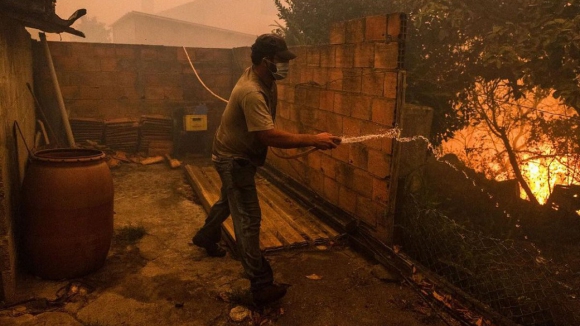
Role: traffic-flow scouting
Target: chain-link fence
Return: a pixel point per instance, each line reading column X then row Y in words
column 510, row 277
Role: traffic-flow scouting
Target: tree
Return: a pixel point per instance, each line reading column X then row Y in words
column 94, row 30
column 506, row 139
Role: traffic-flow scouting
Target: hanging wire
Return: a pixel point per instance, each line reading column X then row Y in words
column 199, row 78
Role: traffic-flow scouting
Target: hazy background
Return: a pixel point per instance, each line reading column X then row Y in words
column 108, row 11
column 252, row 17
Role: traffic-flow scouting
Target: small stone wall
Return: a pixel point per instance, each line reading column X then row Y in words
column 112, row 81
column 16, row 105
column 350, row 87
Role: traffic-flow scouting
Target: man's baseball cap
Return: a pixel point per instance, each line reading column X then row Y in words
column 272, row 44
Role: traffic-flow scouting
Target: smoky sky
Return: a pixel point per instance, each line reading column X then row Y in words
column 108, row 11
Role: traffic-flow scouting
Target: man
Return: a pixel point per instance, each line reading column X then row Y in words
column 240, row 146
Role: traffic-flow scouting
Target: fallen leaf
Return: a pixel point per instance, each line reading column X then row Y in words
column 314, row 277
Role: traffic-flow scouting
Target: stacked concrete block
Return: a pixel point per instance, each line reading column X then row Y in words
column 112, row 81
column 350, row 87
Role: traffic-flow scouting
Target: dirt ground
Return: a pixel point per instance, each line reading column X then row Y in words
column 155, row 276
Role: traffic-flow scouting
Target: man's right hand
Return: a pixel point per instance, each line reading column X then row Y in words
column 326, row 140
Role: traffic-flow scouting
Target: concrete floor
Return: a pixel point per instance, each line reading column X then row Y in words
column 155, row 276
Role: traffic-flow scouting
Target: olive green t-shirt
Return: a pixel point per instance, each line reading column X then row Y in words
column 251, row 108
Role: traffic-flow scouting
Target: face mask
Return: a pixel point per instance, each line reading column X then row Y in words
column 280, row 69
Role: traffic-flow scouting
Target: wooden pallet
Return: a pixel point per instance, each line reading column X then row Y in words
column 285, row 223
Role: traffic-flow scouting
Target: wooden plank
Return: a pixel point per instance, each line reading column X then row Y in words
column 299, row 213
column 208, row 193
column 285, row 223
column 278, row 203
column 272, row 220
column 268, row 239
column 278, row 215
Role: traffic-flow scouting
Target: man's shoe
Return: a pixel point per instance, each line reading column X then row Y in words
column 212, row 249
column 268, row 294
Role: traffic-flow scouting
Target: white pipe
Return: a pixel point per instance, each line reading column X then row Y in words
column 63, row 113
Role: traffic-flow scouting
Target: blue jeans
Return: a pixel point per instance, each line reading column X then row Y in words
column 239, row 198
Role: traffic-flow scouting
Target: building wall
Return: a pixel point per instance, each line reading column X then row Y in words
column 110, row 81
column 16, row 105
column 229, row 14
column 350, row 87
column 138, row 28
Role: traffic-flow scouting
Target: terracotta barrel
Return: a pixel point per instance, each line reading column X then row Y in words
column 67, row 212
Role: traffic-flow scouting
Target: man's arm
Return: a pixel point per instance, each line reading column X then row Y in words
column 283, row 139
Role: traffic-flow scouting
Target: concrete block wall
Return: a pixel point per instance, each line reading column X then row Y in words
column 16, row 105
column 109, row 81
column 350, row 87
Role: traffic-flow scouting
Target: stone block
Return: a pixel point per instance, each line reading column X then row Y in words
column 364, row 55
column 327, row 100
column 320, row 76
column 383, row 111
column 361, row 108
column 371, row 128
column 362, row 182
column 301, row 53
column 328, row 56
column 316, row 180
column 334, row 124
column 126, row 51
column 341, row 153
column 83, row 49
column 58, row 49
column 328, row 165
column 314, row 160
column 375, row 28
column 108, row 64
column 306, row 75
column 373, row 82
column 355, row 31
column 338, row 33
column 351, row 126
column 64, row 64
column 394, row 25
column 282, row 110
column 70, row 92
column 391, row 85
column 379, row 163
column 347, row 199
column 104, row 50
column 90, row 64
column 126, row 78
column 154, row 92
column 358, row 155
column 344, row 56
column 386, row 55
column 335, row 79
column 331, row 190
column 91, row 92
column 365, row 210
column 380, row 191
column 308, row 117
column 343, row 103
column 313, row 57
column 352, row 80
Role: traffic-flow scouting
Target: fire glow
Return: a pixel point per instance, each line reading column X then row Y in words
column 541, row 166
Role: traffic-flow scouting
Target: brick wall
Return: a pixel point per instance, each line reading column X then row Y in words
column 109, row 81
column 350, row 87
column 16, row 104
